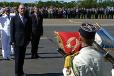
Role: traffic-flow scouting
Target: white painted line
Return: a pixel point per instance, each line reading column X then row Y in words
column 71, row 21
column 78, row 24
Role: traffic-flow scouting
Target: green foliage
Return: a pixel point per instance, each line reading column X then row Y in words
column 88, row 3
column 11, row 4
column 80, row 3
column 71, row 4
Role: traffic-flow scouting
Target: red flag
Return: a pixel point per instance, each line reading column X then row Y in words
column 69, row 41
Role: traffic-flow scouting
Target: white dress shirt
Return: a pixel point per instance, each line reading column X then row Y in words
column 21, row 17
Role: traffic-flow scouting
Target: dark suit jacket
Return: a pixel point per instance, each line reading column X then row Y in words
column 37, row 24
column 20, row 32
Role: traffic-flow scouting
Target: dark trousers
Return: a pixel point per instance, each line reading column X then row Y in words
column 19, row 59
column 34, row 43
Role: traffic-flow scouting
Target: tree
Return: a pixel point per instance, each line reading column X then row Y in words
column 88, row 3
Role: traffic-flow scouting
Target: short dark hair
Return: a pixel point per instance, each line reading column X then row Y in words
column 88, row 41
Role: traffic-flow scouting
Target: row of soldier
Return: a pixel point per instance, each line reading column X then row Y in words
column 77, row 13
column 17, row 30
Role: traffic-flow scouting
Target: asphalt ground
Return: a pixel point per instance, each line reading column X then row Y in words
column 50, row 62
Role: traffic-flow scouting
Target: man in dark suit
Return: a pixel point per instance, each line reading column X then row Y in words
column 37, row 31
column 20, row 37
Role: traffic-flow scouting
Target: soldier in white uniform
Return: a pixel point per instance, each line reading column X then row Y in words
column 90, row 61
column 5, row 34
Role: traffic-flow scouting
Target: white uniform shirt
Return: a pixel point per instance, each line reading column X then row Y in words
column 90, row 62
column 5, row 24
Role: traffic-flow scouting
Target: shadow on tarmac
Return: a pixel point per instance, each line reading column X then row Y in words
column 46, row 74
column 37, row 58
column 29, row 47
column 42, row 53
column 46, row 57
column 41, row 57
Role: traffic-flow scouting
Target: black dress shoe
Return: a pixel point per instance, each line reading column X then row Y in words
column 7, row 58
column 34, row 56
column 21, row 74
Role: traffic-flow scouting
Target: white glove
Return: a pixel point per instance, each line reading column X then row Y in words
column 112, row 72
column 68, row 72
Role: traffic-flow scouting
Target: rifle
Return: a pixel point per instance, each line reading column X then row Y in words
column 106, row 54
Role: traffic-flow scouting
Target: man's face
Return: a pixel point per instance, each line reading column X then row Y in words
column 21, row 9
column 35, row 9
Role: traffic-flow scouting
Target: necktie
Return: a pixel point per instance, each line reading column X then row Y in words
column 22, row 19
column 36, row 17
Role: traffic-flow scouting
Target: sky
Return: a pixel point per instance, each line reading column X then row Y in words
column 26, row 1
